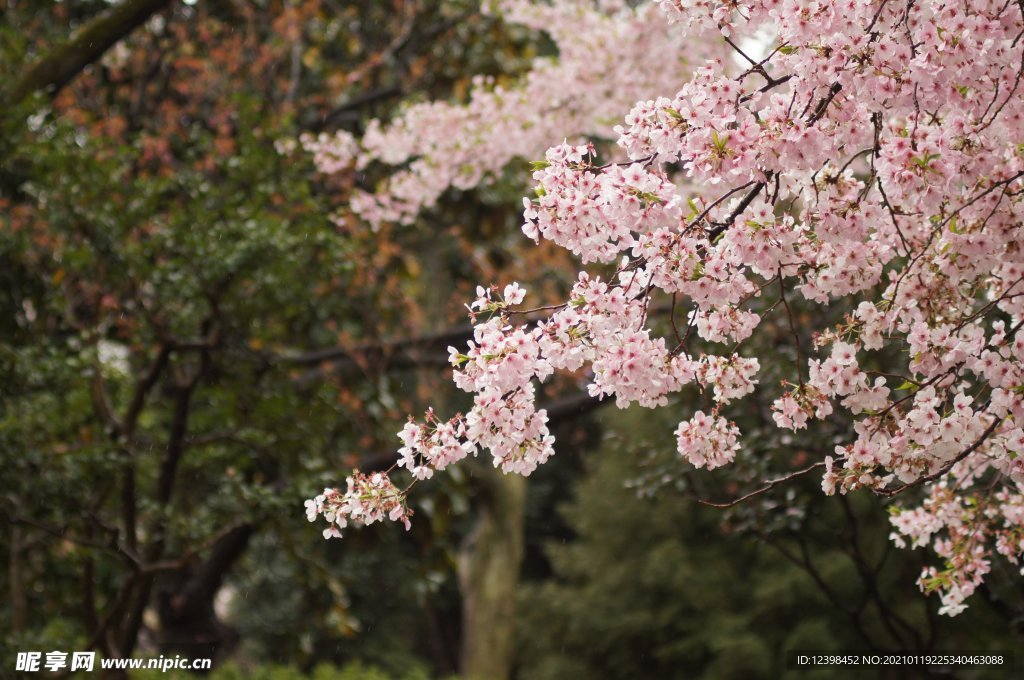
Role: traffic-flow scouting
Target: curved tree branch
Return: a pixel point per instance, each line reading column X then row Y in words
column 59, row 66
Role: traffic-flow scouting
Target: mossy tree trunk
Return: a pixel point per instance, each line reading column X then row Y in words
column 489, row 567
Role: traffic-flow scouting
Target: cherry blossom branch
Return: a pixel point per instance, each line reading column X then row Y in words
column 888, row 493
column 792, row 329
column 768, row 486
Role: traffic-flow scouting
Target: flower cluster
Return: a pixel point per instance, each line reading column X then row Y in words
column 601, row 70
column 872, row 159
column 367, row 499
column 707, row 441
column 960, row 527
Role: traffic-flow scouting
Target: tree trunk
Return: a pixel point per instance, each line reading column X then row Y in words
column 185, row 602
column 489, row 566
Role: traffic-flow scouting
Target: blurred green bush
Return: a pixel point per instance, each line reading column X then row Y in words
column 352, row 671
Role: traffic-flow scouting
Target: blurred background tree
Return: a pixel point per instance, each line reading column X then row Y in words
column 189, row 346
column 652, row 583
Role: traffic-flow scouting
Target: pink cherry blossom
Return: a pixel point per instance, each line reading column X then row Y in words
column 870, row 162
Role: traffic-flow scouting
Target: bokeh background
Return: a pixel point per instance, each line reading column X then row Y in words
column 196, row 335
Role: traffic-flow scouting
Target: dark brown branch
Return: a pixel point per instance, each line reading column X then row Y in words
column 721, row 198
column 100, row 638
column 822, row 106
column 768, row 486
column 869, row 577
column 176, row 438
column 803, row 560
column 948, row 466
column 60, row 65
column 440, row 339
column 352, row 106
column 569, row 408
column 793, row 330
column 720, row 227
column 90, row 614
column 401, row 353
column 63, row 534
column 127, row 430
column 206, row 578
column 142, row 388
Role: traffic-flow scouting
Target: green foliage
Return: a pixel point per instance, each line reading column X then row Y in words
column 655, row 585
column 352, row 671
column 148, row 223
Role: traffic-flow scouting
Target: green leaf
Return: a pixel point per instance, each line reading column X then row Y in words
column 672, row 113
column 720, row 143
